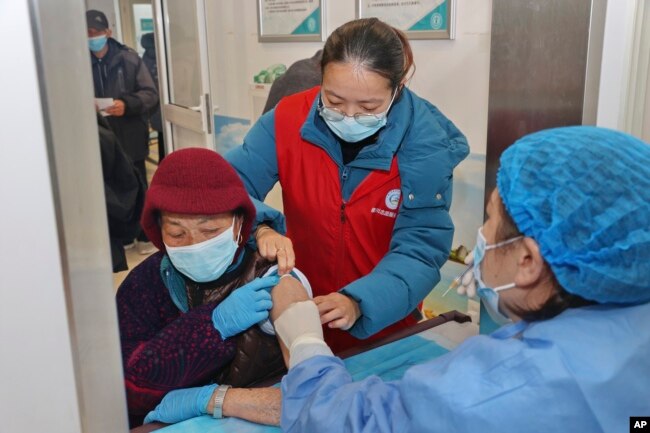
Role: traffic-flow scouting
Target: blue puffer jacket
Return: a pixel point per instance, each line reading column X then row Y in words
column 428, row 147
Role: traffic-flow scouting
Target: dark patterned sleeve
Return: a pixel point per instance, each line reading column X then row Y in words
column 162, row 348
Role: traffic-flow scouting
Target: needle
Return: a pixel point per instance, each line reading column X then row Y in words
column 457, row 280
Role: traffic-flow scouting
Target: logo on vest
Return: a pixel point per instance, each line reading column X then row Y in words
column 392, row 198
column 391, row 201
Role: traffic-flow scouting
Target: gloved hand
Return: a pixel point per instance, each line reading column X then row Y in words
column 182, row 404
column 300, row 330
column 244, row 307
column 467, row 283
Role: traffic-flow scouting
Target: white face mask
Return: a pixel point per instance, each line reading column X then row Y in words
column 490, row 295
column 354, row 128
column 207, row 260
column 97, row 43
column 349, row 130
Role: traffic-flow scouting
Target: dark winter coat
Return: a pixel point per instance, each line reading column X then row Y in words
column 124, row 190
column 121, row 74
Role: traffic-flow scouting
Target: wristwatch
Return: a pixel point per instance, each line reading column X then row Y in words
column 219, row 396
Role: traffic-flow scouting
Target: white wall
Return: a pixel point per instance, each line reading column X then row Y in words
column 37, row 391
column 615, row 69
column 451, row 74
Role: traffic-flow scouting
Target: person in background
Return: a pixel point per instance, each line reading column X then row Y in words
column 188, row 314
column 124, row 190
column 119, row 73
column 149, row 58
column 563, row 261
column 301, row 75
column 366, row 171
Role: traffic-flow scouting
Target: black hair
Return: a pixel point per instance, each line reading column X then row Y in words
column 560, row 299
column 373, row 45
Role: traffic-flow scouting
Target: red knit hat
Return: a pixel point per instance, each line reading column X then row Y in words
column 194, row 181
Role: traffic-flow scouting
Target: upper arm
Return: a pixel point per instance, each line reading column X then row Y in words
column 256, row 160
column 143, row 95
column 298, row 276
column 289, row 290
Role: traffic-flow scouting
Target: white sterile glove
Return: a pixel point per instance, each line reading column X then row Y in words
column 300, row 330
column 466, row 282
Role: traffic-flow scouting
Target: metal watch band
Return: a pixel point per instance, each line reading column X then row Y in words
column 219, row 396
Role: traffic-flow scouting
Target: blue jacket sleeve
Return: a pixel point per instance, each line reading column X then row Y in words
column 265, row 214
column 482, row 386
column 423, row 231
column 406, row 274
column 318, row 395
column 256, row 160
column 257, row 165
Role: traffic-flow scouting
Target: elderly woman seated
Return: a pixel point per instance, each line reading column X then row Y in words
column 563, row 262
column 188, row 314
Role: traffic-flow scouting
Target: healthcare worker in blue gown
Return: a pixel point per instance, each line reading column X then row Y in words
column 563, row 260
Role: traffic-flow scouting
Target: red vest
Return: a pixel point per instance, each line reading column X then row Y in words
column 336, row 241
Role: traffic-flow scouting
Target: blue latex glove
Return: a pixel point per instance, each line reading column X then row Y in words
column 182, row 404
column 244, row 307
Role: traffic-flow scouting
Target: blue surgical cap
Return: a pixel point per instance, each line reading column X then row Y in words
column 583, row 194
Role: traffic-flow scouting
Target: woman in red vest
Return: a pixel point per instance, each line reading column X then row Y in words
column 366, row 172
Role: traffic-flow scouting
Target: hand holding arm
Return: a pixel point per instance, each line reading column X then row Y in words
column 273, row 246
column 244, row 307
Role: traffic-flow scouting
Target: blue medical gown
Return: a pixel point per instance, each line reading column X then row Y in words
column 586, row 370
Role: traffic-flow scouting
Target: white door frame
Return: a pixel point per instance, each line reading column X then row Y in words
column 198, row 119
column 126, row 21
